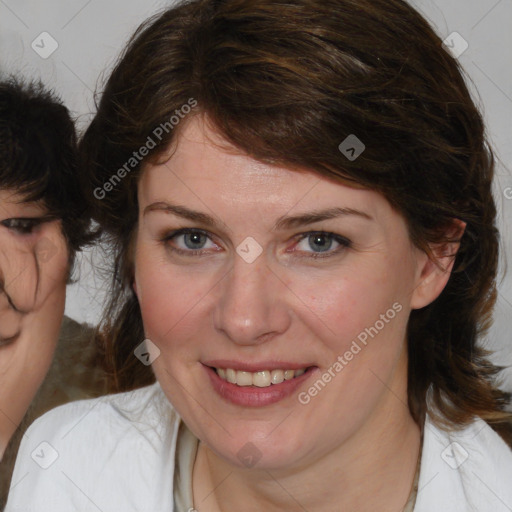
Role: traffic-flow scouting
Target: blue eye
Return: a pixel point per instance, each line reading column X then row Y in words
column 322, row 242
column 193, row 241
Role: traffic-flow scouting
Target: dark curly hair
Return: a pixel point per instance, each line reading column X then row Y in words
column 38, row 145
column 286, row 82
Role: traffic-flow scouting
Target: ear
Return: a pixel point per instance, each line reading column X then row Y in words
column 434, row 270
column 134, row 286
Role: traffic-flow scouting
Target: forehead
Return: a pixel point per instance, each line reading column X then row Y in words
column 203, row 168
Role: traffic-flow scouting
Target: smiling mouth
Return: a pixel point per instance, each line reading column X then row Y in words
column 260, row 379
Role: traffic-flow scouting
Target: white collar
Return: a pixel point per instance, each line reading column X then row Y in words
column 466, row 470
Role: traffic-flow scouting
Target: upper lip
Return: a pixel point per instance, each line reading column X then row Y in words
column 252, row 366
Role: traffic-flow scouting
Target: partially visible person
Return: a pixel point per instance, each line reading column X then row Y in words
column 310, row 253
column 43, row 223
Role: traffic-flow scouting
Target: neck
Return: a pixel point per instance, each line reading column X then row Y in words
column 372, row 470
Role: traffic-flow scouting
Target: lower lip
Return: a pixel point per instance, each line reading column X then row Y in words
column 253, row 396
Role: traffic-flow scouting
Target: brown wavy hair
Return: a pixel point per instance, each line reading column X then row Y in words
column 286, row 82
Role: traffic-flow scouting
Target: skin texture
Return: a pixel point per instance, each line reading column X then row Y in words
column 33, row 274
column 355, row 443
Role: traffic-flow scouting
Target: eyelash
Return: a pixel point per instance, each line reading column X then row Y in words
column 24, row 225
column 344, row 242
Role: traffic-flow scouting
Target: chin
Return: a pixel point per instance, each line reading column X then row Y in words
column 257, row 449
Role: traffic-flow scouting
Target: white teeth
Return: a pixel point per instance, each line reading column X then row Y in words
column 262, row 379
column 244, row 378
column 288, row 374
column 277, row 376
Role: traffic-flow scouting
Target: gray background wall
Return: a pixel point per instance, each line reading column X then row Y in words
column 89, row 34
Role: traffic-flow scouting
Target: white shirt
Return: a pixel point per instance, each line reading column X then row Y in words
column 117, row 454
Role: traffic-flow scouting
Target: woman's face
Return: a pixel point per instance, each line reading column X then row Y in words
column 33, row 274
column 276, row 270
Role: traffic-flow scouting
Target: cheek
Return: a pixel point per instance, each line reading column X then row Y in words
column 169, row 299
column 337, row 308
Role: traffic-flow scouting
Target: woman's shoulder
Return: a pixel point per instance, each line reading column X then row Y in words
column 464, row 469
column 113, row 450
column 476, row 445
column 145, row 407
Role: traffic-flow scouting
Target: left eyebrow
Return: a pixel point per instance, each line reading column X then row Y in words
column 317, row 216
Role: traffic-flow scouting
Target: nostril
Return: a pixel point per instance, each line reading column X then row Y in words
column 20, row 285
column 10, row 320
column 6, row 298
column 13, row 306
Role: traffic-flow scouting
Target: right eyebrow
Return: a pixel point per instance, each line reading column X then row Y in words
column 182, row 211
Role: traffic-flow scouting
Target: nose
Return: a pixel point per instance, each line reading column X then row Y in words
column 19, row 276
column 251, row 308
